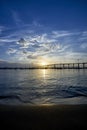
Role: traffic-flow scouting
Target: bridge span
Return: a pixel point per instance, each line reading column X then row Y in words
column 82, row 65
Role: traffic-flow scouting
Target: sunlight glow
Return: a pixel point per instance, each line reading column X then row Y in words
column 43, row 63
column 44, row 73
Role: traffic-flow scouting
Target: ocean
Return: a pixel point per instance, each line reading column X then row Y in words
column 43, row 86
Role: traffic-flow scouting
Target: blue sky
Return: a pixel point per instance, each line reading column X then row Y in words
column 32, row 31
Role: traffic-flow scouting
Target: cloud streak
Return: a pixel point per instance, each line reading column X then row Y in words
column 16, row 18
column 29, row 44
column 11, row 51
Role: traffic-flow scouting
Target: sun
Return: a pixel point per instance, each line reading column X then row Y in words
column 43, row 63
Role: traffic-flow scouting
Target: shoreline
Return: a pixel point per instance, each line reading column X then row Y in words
column 43, row 117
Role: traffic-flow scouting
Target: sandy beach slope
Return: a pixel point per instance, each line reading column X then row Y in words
column 45, row 117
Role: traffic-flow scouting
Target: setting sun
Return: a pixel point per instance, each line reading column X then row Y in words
column 43, row 63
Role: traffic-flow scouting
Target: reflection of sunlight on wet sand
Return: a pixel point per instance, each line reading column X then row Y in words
column 43, row 101
column 47, row 105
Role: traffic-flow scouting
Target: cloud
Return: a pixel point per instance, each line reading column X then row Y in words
column 2, row 28
column 11, row 51
column 32, row 57
column 37, row 24
column 41, row 38
column 23, row 43
column 84, row 33
column 30, row 42
column 57, row 34
column 52, row 46
column 7, row 40
column 16, row 18
column 84, row 46
column 83, row 36
column 36, row 46
column 25, row 52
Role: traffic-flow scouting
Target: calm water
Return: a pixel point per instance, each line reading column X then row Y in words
column 43, row 86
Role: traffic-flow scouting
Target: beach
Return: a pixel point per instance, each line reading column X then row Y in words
column 43, row 117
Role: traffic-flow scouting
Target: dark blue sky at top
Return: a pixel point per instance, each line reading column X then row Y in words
column 61, row 14
column 35, row 30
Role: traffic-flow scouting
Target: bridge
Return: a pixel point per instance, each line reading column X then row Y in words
column 82, row 65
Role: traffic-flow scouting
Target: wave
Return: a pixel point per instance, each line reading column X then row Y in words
column 76, row 91
column 66, row 91
column 55, row 92
column 14, row 97
column 9, row 96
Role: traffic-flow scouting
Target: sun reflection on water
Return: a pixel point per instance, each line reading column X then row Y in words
column 44, row 73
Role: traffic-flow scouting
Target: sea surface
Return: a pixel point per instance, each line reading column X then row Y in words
column 43, row 86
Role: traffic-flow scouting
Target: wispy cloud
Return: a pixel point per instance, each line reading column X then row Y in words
column 58, row 34
column 11, row 51
column 7, row 40
column 1, row 29
column 84, row 46
column 31, row 43
column 23, row 43
column 16, row 18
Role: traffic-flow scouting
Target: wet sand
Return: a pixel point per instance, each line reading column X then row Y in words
column 46, row 117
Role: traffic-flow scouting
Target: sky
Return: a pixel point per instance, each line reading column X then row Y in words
column 34, row 31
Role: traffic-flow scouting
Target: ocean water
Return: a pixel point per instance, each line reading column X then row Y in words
column 43, row 86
